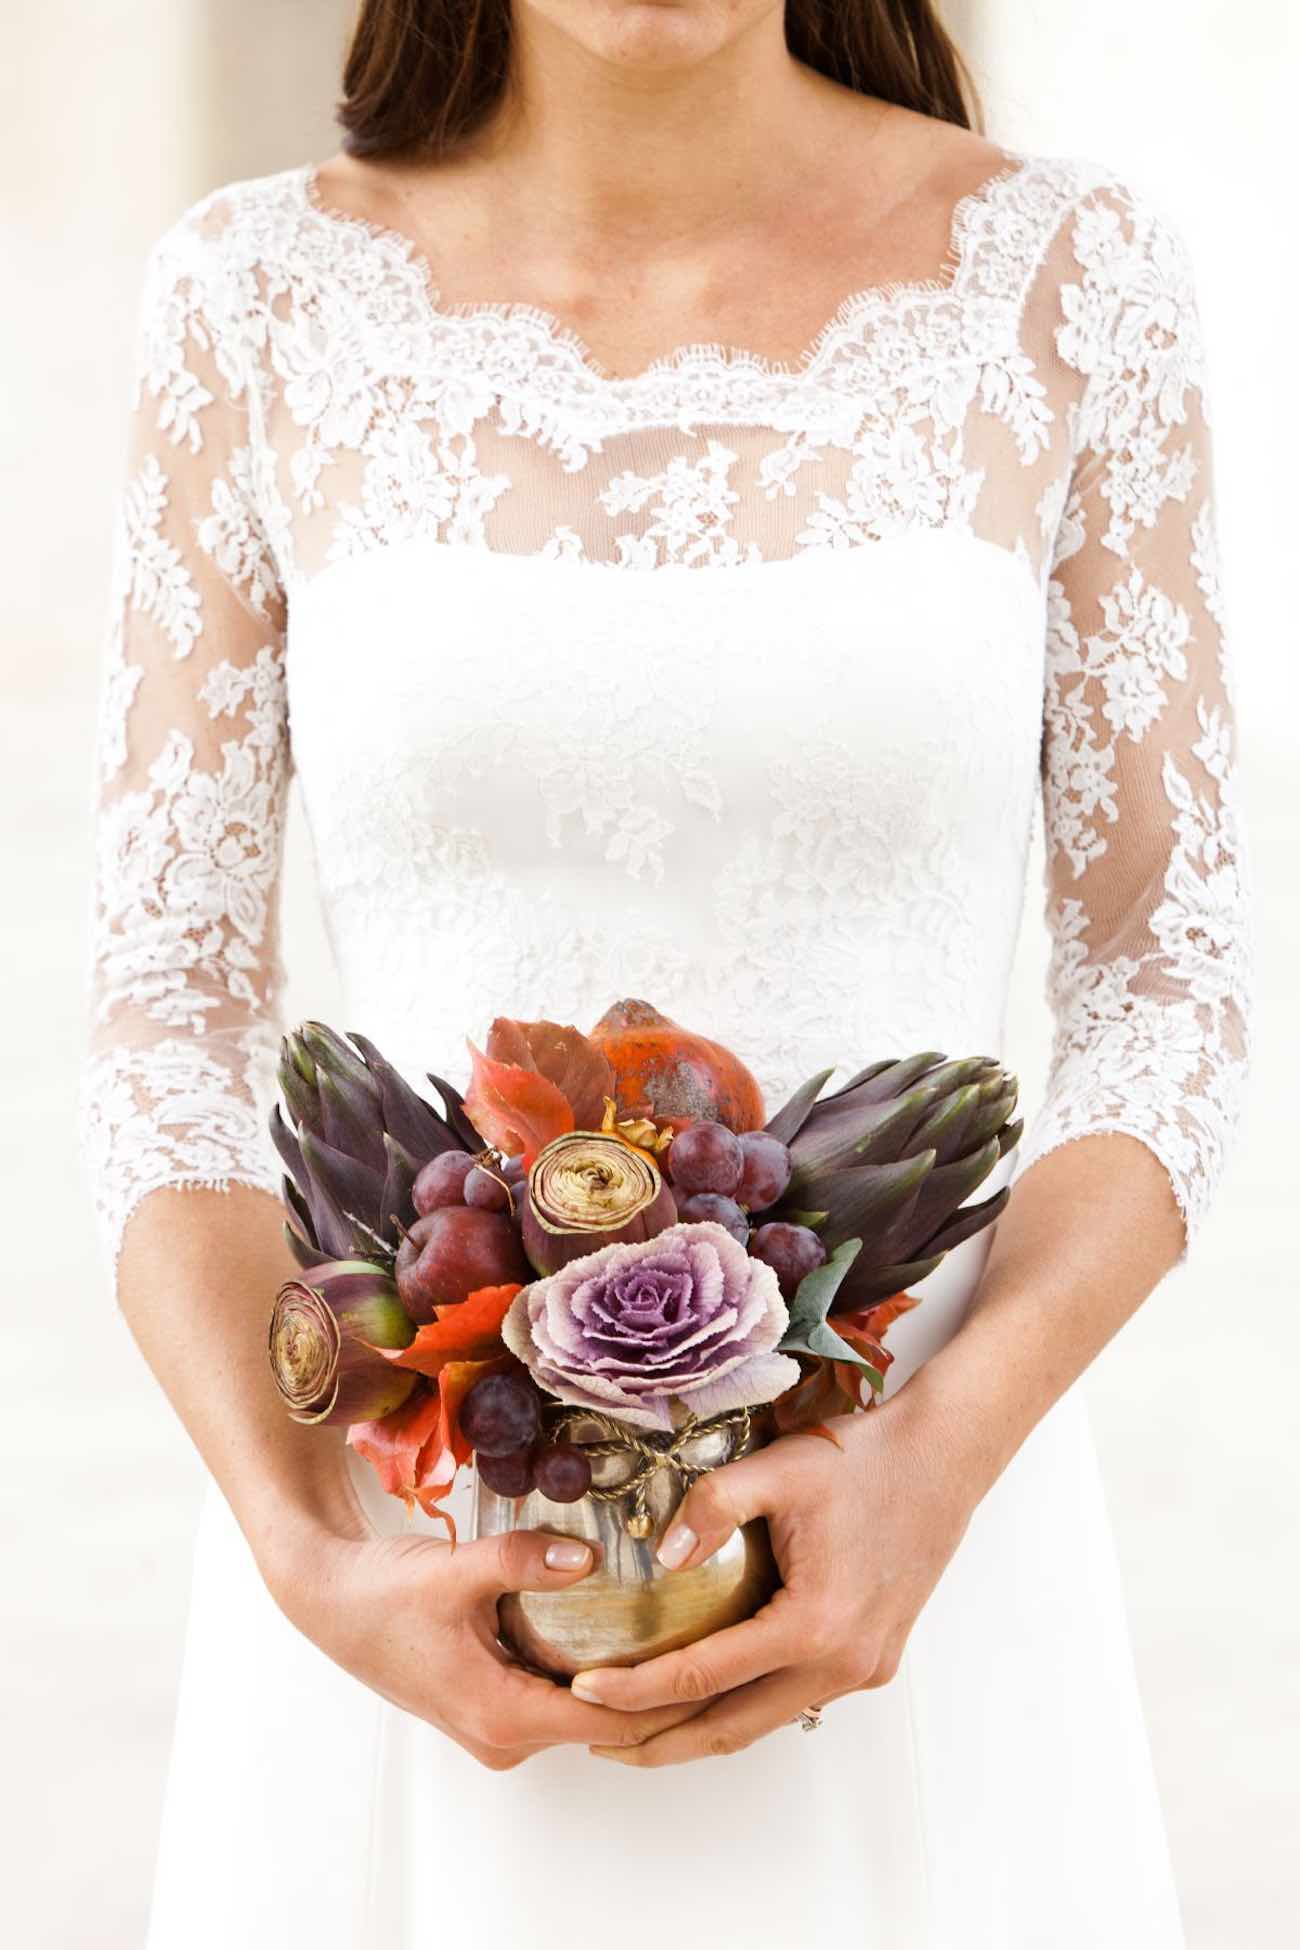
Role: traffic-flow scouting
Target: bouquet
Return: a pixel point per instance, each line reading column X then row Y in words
column 603, row 1266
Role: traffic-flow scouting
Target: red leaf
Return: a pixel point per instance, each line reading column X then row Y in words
column 578, row 1067
column 823, row 1391
column 517, row 1110
column 468, row 1331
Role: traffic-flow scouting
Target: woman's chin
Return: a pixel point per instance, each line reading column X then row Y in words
column 650, row 34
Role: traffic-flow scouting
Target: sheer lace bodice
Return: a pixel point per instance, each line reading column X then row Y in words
column 732, row 684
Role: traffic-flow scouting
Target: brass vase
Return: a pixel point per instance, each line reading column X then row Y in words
column 629, row 1608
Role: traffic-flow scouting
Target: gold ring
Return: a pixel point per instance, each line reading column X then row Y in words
column 810, row 1719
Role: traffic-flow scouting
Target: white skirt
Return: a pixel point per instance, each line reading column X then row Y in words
column 998, row 1794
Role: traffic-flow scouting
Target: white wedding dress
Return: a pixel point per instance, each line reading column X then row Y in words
column 736, row 686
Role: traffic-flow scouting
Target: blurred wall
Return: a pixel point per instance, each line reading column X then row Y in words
column 117, row 113
column 1193, row 1403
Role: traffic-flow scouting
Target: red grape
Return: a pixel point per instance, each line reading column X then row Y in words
column 706, row 1158
column 508, row 1475
column 501, row 1413
column 766, row 1170
column 487, row 1190
column 712, row 1205
column 562, row 1472
column 442, row 1181
column 791, row 1251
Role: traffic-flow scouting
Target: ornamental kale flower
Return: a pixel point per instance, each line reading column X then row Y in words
column 649, row 1330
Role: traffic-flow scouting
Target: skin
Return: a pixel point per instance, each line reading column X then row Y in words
column 638, row 186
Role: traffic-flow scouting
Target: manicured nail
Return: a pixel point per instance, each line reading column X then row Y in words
column 587, row 1686
column 677, row 1546
column 568, row 1556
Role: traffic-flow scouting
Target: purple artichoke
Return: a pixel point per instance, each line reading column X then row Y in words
column 588, row 1189
column 324, row 1332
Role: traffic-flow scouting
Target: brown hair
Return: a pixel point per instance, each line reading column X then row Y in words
column 422, row 74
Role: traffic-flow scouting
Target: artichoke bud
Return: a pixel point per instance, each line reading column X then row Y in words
column 298, row 1087
column 891, row 1156
column 325, row 1329
column 335, row 1056
column 352, row 1119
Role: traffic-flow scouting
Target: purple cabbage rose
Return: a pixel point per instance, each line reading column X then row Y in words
column 686, row 1318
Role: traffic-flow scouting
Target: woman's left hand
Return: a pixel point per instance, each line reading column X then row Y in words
column 861, row 1531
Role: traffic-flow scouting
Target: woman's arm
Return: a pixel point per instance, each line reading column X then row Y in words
column 1091, row 1230
column 1150, row 982
column 193, row 764
column 225, row 1252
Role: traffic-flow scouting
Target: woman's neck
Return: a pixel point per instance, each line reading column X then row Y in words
column 630, row 146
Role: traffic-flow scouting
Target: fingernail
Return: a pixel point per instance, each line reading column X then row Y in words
column 587, row 1686
column 677, row 1546
column 568, row 1556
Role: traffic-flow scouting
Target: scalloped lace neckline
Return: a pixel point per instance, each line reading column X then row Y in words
column 858, row 306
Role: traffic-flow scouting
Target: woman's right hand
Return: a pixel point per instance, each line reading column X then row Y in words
column 408, row 1615
column 415, row 1620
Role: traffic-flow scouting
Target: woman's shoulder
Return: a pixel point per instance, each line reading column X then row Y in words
column 1089, row 199
column 235, row 221
column 204, row 287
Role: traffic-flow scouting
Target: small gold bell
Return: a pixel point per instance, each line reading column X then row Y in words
column 640, row 1524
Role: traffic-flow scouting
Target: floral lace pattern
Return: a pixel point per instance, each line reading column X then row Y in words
column 1150, row 1010
column 781, row 779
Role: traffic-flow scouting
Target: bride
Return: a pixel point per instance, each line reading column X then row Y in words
column 680, row 502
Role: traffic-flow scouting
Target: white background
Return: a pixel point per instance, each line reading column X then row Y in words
column 116, row 114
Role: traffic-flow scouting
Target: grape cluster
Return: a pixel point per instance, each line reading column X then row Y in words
column 466, row 1234
column 726, row 1177
column 459, row 1178
column 501, row 1416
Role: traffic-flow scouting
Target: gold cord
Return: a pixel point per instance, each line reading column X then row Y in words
column 651, row 1453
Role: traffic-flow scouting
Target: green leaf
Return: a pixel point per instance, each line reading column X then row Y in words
column 809, row 1331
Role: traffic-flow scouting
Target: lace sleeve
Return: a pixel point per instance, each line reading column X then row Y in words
column 192, row 766
column 1147, row 889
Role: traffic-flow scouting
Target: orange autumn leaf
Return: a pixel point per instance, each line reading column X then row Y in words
column 393, row 1444
column 866, row 1345
column 468, row 1331
column 865, row 1329
column 516, row 1109
column 874, row 1320
column 827, row 1435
